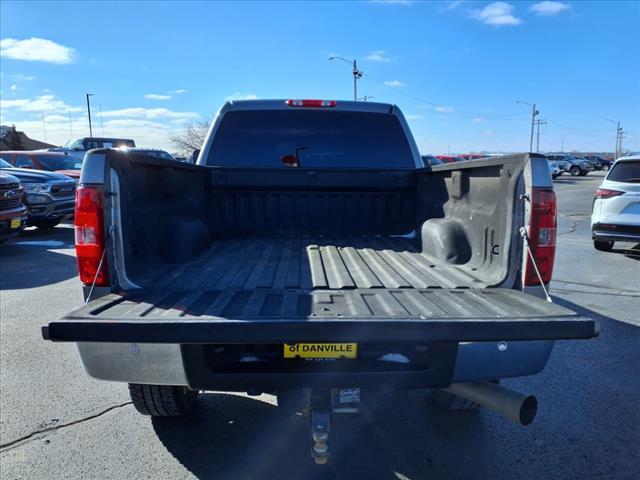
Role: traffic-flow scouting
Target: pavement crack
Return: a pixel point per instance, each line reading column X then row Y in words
column 36, row 433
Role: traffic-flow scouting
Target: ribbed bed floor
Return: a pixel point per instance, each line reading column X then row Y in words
column 308, row 262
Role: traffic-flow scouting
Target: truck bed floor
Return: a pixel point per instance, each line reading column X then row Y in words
column 309, row 262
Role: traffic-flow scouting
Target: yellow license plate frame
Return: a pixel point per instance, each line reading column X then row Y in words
column 15, row 223
column 333, row 351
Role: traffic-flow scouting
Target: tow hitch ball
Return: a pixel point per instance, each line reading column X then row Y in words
column 322, row 405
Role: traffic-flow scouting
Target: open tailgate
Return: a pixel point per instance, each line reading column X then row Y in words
column 265, row 316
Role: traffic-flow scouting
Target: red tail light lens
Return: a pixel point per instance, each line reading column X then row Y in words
column 312, row 103
column 542, row 236
column 90, row 236
column 606, row 193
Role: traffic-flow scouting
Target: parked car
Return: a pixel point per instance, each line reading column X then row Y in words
column 58, row 162
column 78, row 146
column 600, row 163
column 315, row 253
column 49, row 196
column 577, row 166
column 450, row 158
column 13, row 214
column 472, row 156
column 430, row 160
column 153, row 152
column 616, row 207
column 554, row 170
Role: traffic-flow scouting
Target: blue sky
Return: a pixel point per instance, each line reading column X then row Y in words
column 456, row 68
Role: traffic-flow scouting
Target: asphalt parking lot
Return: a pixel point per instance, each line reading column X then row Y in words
column 56, row 422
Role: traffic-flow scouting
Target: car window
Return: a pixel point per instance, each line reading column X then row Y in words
column 4, row 163
column 23, row 161
column 316, row 139
column 59, row 162
column 625, row 172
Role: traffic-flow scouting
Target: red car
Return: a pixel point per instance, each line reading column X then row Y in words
column 450, row 158
column 59, row 162
column 473, row 156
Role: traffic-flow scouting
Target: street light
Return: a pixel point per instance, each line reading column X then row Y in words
column 89, row 113
column 356, row 73
column 534, row 112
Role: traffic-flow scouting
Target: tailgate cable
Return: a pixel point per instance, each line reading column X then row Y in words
column 525, row 237
column 104, row 252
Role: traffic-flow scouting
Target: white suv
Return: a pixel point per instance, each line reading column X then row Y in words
column 616, row 208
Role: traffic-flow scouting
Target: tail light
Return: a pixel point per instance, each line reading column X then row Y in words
column 606, row 193
column 312, row 103
column 90, row 236
column 542, row 236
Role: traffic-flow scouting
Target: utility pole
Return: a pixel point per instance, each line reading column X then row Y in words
column 618, row 140
column 89, row 113
column 538, row 123
column 357, row 74
column 562, row 146
column 534, row 112
column 70, row 126
column 621, row 134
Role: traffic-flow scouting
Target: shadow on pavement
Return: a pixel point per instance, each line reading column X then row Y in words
column 30, row 261
column 238, row 437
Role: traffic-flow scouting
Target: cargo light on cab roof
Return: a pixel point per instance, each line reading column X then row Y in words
column 312, row 103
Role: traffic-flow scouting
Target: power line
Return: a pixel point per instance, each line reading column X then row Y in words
column 427, row 102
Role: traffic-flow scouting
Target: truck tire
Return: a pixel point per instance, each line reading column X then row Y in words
column 449, row 401
column 45, row 224
column 603, row 245
column 162, row 400
column 574, row 171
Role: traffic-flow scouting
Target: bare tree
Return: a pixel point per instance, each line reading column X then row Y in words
column 192, row 137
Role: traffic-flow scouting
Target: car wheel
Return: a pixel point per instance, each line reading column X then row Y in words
column 162, row 400
column 574, row 171
column 554, row 176
column 605, row 167
column 603, row 246
column 45, row 224
column 582, row 174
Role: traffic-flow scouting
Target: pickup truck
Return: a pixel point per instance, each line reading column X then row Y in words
column 13, row 214
column 311, row 254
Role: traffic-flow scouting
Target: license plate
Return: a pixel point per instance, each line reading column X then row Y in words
column 16, row 222
column 321, row 350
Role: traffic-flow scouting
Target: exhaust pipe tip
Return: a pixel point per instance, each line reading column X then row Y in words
column 513, row 405
column 528, row 410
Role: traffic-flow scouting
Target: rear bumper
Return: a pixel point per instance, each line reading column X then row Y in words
column 615, row 233
column 164, row 364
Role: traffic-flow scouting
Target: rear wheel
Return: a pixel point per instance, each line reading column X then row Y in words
column 603, row 246
column 162, row 400
column 45, row 224
column 605, row 167
column 574, row 171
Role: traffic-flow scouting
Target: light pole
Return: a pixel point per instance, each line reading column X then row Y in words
column 534, row 112
column 357, row 74
column 618, row 131
column 89, row 113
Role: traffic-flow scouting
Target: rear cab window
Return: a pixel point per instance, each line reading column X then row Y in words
column 627, row 172
column 313, row 138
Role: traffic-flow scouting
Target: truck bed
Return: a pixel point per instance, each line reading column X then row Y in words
column 325, row 288
column 312, row 262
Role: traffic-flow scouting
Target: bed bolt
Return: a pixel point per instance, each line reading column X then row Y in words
column 502, row 346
